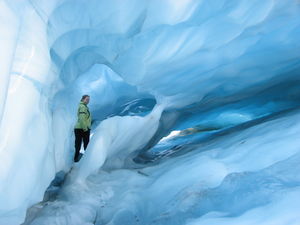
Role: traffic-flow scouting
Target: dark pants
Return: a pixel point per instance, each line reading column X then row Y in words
column 80, row 136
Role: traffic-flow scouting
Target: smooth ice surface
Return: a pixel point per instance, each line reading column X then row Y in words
column 225, row 180
column 195, row 108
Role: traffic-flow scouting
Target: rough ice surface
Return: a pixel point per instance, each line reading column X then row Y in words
column 195, row 107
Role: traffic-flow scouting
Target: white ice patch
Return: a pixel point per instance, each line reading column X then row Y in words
column 115, row 138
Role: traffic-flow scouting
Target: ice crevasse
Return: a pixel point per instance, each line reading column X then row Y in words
column 195, row 106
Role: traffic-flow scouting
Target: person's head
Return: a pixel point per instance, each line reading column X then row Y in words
column 85, row 99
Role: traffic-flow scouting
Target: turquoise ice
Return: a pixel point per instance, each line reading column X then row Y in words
column 196, row 108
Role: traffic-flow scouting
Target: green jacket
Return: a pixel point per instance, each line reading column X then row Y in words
column 84, row 117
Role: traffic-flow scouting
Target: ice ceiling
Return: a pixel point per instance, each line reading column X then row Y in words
column 195, row 106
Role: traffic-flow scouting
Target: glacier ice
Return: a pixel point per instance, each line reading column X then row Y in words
column 195, row 104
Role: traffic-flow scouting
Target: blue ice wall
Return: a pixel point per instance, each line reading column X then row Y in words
column 195, row 107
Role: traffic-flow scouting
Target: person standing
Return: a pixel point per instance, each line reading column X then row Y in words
column 83, row 126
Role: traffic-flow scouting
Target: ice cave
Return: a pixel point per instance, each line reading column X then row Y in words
column 195, row 107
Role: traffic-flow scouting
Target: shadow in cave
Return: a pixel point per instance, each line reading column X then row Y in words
column 205, row 138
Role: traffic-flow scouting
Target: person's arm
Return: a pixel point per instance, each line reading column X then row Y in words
column 83, row 115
